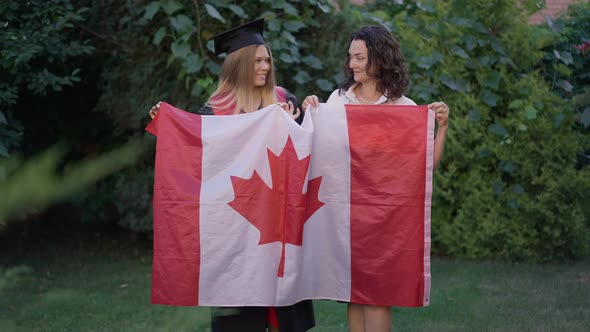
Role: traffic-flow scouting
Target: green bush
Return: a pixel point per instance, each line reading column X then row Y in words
column 508, row 186
column 566, row 66
column 38, row 47
column 167, row 55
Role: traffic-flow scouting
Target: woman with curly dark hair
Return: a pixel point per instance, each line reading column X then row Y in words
column 376, row 74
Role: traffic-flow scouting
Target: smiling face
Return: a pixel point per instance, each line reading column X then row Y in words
column 262, row 66
column 358, row 57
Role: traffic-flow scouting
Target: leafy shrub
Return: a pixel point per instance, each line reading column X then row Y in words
column 508, row 186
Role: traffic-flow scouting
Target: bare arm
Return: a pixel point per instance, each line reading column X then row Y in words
column 441, row 111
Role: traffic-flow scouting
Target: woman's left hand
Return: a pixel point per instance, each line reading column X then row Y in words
column 441, row 113
column 290, row 109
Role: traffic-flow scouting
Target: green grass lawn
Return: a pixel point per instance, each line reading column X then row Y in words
column 100, row 281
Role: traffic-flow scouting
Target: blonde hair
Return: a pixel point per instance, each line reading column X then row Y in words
column 236, row 82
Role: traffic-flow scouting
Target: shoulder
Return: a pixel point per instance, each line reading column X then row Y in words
column 403, row 100
column 336, row 97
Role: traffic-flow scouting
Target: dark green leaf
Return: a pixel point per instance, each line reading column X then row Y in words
column 171, row 6
column 555, row 26
column 289, row 9
column 287, row 35
column 151, row 10
column 508, row 167
column 558, row 119
column 212, row 11
column 213, row 67
column 459, row 51
column 484, row 153
column 302, row 77
column 489, row 98
column 460, row 21
column 211, row 45
column 159, row 36
column 324, row 8
column 565, row 85
column 3, row 150
column 274, row 24
column 427, row 6
column 512, row 203
column 193, row 64
column 474, row 116
column 286, row 58
column 470, row 42
column 497, row 46
column 517, row 189
column 585, row 118
column 515, row 104
column 3, row 118
column 182, row 23
column 427, row 61
column 324, row 85
column 312, row 61
column 293, row 26
column 487, row 61
column 492, row 80
column 237, row 10
column 456, row 84
column 530, row 112
column 497, row 129
column 497, row 187
column 180, row 50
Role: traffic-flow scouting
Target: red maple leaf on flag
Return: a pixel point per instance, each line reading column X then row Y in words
column 280, row 212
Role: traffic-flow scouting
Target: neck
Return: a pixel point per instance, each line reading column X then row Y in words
column 368, row 93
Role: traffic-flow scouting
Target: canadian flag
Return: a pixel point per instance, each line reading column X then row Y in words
column 255, row 210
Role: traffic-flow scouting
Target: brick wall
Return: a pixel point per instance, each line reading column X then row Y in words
column 553, row 8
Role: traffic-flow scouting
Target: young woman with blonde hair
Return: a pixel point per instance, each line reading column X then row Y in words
column 247, row 84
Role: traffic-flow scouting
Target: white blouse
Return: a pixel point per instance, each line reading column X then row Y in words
column 350, row 98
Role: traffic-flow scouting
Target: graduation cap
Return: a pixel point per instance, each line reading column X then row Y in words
column 246, row 34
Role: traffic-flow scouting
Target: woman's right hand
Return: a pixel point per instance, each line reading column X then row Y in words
column 154, row 110
column 311, row 101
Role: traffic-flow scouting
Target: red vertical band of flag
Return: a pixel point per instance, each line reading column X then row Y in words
column 387, row 197
column 177, row 187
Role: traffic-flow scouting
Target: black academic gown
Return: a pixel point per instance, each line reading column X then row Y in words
column 298, row 317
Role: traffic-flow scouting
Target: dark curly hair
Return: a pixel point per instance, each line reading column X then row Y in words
column 385, row 59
